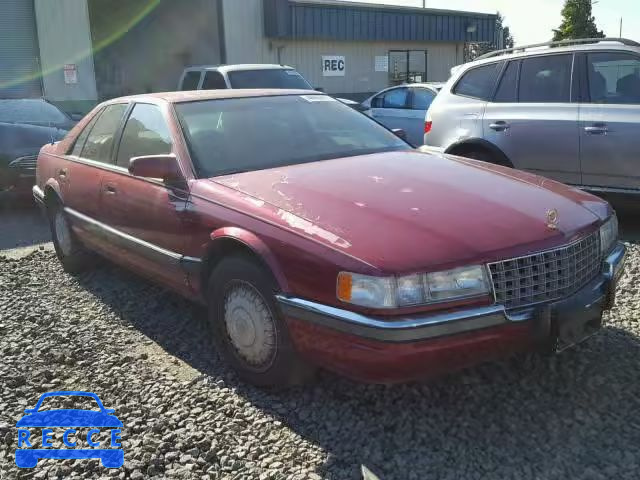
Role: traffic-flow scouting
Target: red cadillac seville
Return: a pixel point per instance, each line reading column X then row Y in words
column 318, row 238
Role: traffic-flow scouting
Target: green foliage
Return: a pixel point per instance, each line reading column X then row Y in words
column 577, row 21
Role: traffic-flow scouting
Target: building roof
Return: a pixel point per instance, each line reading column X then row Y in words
column 350, row 21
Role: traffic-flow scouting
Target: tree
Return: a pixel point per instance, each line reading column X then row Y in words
column 577, row 21
column 474, row 50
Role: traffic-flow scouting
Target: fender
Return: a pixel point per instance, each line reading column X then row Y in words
column 257, row 246
column 53, row 184
column 482, row 144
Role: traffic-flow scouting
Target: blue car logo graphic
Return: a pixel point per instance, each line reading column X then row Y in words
column 69, row 419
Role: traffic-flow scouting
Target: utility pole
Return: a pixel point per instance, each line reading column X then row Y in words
column 424, row 3
column 620, row 27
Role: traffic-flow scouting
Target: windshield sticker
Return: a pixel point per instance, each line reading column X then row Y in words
column 317, row 98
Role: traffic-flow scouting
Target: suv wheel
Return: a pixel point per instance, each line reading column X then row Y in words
column 73, row 256
column 248, row 328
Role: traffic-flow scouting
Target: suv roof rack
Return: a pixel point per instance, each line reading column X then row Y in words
column 579, row 41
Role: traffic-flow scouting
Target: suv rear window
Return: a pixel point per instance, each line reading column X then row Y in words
column 271, row 78
column 478, row 82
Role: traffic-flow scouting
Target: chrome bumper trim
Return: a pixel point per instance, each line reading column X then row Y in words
column 404, row 329
column 615, row 262
column 38, row 194
column 431, row 325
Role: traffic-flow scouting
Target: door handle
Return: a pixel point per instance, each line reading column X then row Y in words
column 62, row 172
column 110, row 190
column 499, row 126
column 597, row 129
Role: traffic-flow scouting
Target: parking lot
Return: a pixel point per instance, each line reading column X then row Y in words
column 146, row 353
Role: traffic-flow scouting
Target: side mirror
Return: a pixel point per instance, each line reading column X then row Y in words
column 156, row 166
column 400, row 133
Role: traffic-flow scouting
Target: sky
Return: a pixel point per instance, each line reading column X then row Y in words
column 532, row 21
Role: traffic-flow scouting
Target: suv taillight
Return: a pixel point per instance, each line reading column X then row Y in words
column 427, row 126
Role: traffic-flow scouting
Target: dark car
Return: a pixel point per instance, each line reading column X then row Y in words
column 316, row 236
column 25, row 126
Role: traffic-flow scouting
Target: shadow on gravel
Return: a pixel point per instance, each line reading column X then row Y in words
column 21, row 223
column 532, row 416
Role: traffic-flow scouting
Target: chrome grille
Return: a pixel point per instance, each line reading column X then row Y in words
column 25, row 163
column 546, row 276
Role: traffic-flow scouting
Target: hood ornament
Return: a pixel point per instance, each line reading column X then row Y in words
column 552, row 219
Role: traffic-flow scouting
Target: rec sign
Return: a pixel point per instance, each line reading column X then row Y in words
column 333, row 66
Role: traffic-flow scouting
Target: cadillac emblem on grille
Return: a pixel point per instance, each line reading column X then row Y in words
column 552, row 219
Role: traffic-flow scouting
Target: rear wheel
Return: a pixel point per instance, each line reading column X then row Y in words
column 72, row 254
column 247, row 326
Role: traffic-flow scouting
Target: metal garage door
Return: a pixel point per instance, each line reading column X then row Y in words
column 19, row 58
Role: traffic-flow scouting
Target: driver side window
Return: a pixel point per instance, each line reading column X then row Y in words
column 395, row 98
column 146, row 133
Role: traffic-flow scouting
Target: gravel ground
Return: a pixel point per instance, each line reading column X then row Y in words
column 144, row 352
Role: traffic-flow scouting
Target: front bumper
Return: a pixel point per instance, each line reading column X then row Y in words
column 394, row 349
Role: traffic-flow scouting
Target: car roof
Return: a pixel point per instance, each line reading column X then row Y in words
column 240, row 66
column 542, row 50
column 196, row 95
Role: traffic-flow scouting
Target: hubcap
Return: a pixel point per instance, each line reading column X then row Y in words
column 250, row 325
column 62, row 232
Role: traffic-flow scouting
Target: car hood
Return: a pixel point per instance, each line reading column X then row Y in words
column 407, row 211
column 69, row 418
column 19, row 139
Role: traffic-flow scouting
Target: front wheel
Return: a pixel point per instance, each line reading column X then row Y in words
column 247, row 326
column 73, row 256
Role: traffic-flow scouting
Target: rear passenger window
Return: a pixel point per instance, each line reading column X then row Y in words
column 422, row 99
column 146, row 133
column 478, row 82
column 508, row 88
column 82, row 138
column 546, row 79
column 190, row 81
column 99, row 143
column 213, row 81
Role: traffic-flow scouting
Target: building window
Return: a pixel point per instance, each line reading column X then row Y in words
column 407, row 66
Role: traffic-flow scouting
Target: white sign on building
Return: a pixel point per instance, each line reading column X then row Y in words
column 70, row 73
column 382, row 63
column 333, row 66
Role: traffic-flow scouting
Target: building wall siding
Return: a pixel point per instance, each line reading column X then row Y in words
column 19, row 62
column 246, row 43
column 64, row 36
column 152, row 54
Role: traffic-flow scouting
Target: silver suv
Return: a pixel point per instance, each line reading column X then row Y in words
column 567, row 110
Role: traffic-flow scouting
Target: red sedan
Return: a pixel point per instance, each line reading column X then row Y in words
column 319, row 238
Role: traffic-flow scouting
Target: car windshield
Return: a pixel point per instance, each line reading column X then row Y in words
column 244, row 134
column 268, row 78
column 30, row 111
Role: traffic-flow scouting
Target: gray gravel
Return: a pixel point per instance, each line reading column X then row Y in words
column 144, row 352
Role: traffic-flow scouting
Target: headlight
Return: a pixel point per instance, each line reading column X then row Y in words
column 608, row 234
column 418, row 289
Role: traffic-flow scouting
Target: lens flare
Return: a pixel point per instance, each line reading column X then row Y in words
column 99, row 45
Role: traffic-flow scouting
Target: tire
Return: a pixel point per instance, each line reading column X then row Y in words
column 73, row 255
column 247, row 326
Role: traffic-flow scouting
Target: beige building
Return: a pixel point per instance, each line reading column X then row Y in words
column 78, row 52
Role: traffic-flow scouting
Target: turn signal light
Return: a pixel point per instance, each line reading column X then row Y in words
column 427, row 126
